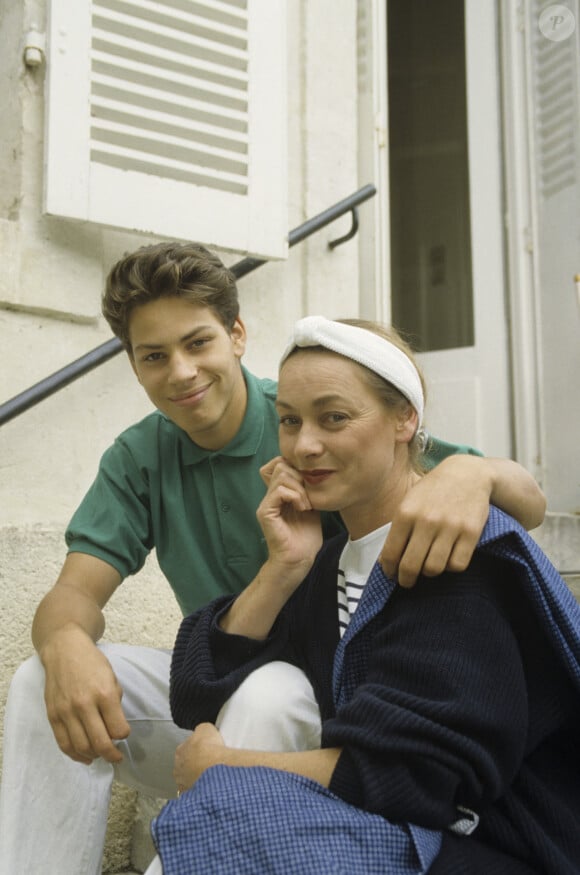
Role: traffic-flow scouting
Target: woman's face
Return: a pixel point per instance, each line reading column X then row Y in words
column 350, row 449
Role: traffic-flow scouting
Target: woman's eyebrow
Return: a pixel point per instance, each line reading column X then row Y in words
column 318, row 402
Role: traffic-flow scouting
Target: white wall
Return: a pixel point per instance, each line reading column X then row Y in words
column 541, row 111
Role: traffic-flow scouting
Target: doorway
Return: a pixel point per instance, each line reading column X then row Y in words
column 443, row 269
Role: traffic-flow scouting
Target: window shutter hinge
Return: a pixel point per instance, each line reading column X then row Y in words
column 528, row 240
column 34, row 48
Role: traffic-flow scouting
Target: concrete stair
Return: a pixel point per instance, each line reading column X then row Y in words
column 559, row 538
column 143, row 611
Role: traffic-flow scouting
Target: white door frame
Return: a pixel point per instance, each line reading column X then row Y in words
column 373, row 145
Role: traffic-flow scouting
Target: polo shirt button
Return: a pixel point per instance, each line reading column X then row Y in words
column 225, row 508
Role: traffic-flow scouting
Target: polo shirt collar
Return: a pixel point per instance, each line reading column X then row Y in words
column 249, row 436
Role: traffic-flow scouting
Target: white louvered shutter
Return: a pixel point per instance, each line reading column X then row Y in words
column 169, row 117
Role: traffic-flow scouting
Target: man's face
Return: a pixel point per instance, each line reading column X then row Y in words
column 189, row 365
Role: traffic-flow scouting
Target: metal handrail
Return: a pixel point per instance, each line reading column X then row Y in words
column 101, row 354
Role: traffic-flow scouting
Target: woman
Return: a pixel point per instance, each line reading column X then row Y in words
column 449, row 725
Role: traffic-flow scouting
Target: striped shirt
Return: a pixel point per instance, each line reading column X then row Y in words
column 354, row 566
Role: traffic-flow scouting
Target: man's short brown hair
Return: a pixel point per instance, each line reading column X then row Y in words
column 164, row 270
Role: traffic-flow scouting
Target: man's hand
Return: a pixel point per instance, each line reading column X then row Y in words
column 440, row 520
column 83, row 698
column 201, row 750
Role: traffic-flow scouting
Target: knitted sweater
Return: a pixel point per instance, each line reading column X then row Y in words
column 450, row 694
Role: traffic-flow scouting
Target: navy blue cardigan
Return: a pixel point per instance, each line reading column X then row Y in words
column 459, row 698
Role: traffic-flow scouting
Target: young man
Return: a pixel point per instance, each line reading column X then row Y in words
column 184, row 480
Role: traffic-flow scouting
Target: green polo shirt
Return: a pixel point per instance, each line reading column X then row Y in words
column 155, row 488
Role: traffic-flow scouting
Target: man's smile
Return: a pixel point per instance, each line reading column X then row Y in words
column 191, row 398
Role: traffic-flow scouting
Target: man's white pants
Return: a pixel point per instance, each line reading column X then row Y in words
column 53, row 811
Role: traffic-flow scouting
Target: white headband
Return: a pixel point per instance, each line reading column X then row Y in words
column 364, row 347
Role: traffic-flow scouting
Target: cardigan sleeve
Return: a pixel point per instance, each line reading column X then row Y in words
column 441, row 717
column 208, row 665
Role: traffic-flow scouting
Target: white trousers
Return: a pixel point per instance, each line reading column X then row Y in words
column 53, row 811
column 273, row 709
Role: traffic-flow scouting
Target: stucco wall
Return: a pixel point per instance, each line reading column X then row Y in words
column 50, row 285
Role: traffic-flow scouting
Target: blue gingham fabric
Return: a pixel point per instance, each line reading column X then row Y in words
column 555, row 606
column 265, row 822
column 262, row 821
